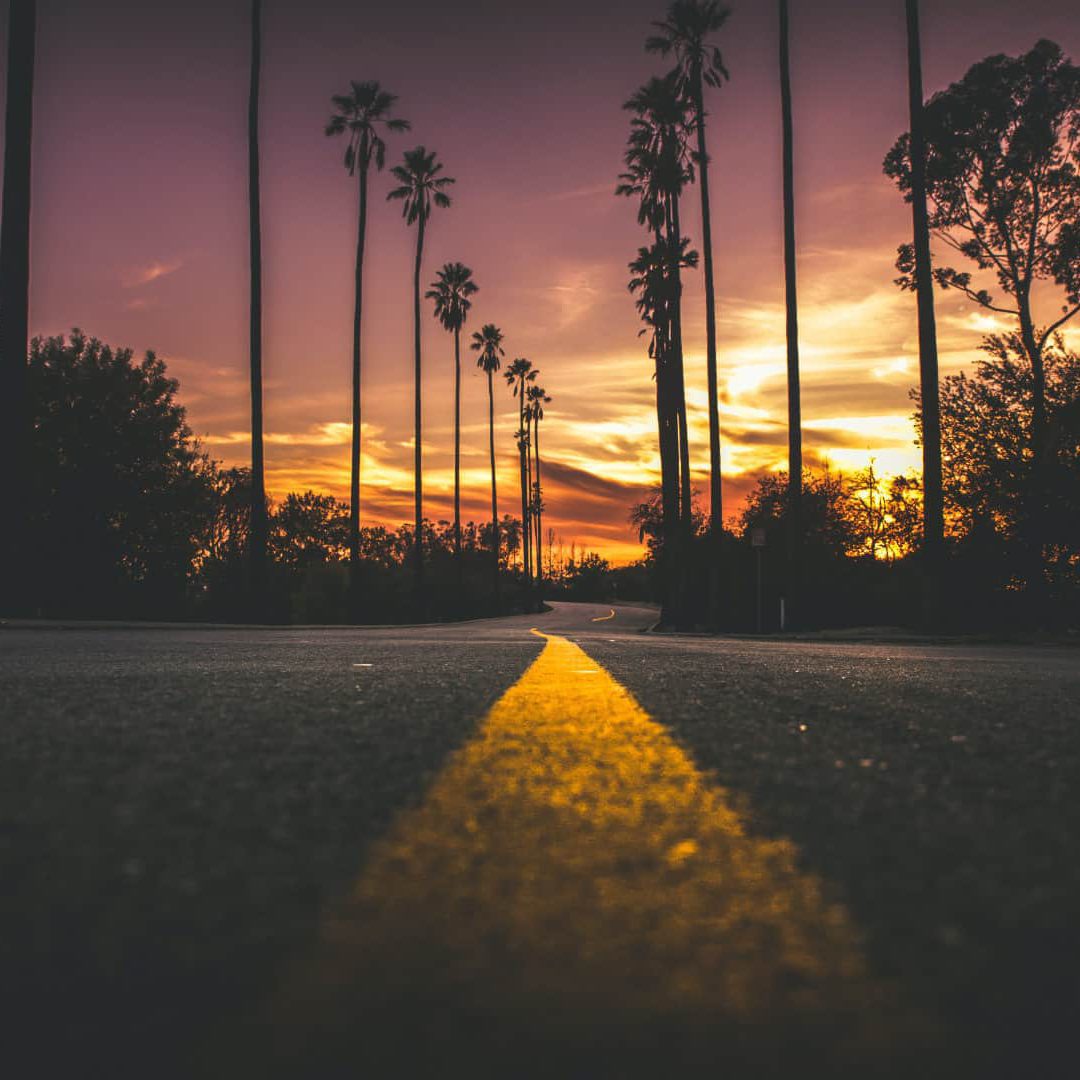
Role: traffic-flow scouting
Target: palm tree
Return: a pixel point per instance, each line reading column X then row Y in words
column 420, row 186
column 488, row 343
column 258, row 526
column 517, row 375
column 655, row 284
column 361, row 115
column 795, row 468
column 933, row 512
column 15, row 286
column 451, row 292
column 685, row 33
column 659, row 164
column 538, row 398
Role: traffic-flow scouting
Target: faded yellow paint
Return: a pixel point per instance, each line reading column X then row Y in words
column 572, row 857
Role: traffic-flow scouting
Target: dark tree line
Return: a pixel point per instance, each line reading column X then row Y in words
column 128, row 517
column 991, row 168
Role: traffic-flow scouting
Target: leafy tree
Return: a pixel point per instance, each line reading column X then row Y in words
column 685, row 32
column 989, row 463
column 121, row 495
column 361, row 115
column 451, row 293
column 420, row 186
column 228, row 537
column 826, row 523
column 487, row 343
column 309, row 528
column 15, row 291
column 883, row 515
column 1002, row 157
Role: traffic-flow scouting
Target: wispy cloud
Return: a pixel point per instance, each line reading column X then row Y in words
column 144, row 275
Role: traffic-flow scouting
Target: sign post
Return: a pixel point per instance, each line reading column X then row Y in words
column 757, row 541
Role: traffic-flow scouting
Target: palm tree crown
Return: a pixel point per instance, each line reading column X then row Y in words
column 684, row 32
column 451, row 292
column 517, row 374
column 537, row 398
column 488, row 343
column 420, row 185
column 359, row 114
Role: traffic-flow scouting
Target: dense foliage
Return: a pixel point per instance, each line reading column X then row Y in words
column 130, row 518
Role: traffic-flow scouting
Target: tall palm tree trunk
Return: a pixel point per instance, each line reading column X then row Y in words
column 933, row 504
column 258, row 526
column 457, row 448
column 15, row 298
column 530, row 488
column 526, row 531
column 716, row 509
column 686, row 487
column 669, row 479
column 494, row 495
column 795, row 465
column 357, row 371
column 418, row 463
column 538, row 512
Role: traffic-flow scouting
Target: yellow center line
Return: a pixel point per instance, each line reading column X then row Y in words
column 604, row 618
column 571, row 858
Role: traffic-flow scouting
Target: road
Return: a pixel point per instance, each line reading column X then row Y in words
column 536, row 846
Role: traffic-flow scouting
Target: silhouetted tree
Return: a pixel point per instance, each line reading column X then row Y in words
column 656, row 287
column 488, row 343
column 122, row 497
column 420, row 186
column 361, row 115
column 310, row 528
column 538, row 398
column 986, row 420
column 258, row 523
column 517, row 375
column 658, row 149
column 15, row 293
column 228, row 539
column 1003, row 185
column 685, row 32
column 451, row 292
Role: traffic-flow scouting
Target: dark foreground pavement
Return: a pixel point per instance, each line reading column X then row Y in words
column 180, row 808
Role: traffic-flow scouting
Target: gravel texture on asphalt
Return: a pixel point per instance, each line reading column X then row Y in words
column 178, row 807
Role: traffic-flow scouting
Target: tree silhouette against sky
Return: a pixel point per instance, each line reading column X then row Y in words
column 1003, row 187
column 361, row 116
column 520, row 372
column 487, row 342
column 420, row 186
column 451, row 292
column 686, row 33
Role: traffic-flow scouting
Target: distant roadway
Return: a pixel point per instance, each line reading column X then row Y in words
column 549, row 846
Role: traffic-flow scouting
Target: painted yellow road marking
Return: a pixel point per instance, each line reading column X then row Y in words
column 604, row 618
column 571, row 859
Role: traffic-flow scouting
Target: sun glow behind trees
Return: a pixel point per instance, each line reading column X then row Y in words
column 533, row 223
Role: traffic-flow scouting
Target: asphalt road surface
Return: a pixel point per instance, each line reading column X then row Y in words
column 482, row 850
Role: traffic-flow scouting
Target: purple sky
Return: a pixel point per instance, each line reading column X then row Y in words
column 140, row 228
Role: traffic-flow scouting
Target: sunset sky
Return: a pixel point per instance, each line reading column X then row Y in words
column 140, row 230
